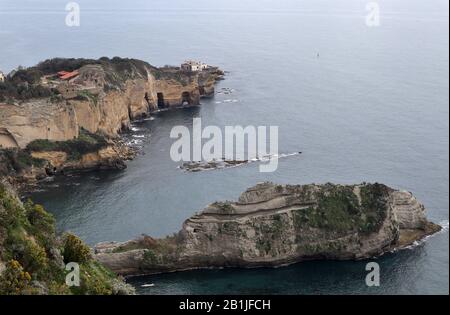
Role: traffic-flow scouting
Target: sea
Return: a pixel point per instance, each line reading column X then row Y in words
column 361, row 88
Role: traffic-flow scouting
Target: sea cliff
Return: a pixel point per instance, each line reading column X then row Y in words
column 61, row 106
column 274, row 225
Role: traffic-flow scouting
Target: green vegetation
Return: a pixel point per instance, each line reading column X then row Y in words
column 373, row 202
column 224, row 207
column 14, row 279
column 26, row 83
column 172, row 74
column 156, row 252
column 270, row 233
column 16, row 160
column 339, row 210
column 151, row 258
column 119, row 70
column 85, row 143
column 9, row 91
column 31, row 254
column 86, row 96
column 75, row 250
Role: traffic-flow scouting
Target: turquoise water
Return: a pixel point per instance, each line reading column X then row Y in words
column 372, row 107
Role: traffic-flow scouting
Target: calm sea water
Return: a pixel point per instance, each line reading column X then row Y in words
column 373, row 106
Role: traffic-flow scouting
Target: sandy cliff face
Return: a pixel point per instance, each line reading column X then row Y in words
column 38, row 119
column 175, row 88
column 101, row 99
column 171, row 93
column 273, row 225
column 105, row 112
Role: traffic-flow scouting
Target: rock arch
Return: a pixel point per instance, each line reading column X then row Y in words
column 186, row 98
column 7, row 140
column 161, row 103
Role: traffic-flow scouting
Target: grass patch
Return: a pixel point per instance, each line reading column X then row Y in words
column 338, row 210
column 85, row 143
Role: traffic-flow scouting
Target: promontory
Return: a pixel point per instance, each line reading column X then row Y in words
column 67, row 114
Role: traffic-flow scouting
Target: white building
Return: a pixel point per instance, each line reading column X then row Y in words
column 2, row 77
column 193, row 66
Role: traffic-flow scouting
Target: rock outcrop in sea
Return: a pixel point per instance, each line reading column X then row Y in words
column 275, row 225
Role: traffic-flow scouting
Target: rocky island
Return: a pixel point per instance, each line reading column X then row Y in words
column 275, row 225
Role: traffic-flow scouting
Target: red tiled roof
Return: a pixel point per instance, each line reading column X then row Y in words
column 69, row 75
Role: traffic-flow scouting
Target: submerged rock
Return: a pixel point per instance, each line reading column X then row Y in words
column 274, row 225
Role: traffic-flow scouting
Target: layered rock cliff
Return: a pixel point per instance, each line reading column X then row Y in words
column 103, row 97
column 42, row 158
column 49, row 124
column 273, row 225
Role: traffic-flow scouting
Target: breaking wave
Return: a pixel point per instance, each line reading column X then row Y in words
column 223, row 163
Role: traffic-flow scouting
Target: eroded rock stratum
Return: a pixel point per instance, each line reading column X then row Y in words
column 274, row 225
column 100, row 96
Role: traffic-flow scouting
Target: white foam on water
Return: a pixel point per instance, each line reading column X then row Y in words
column 264, row 158
column 444, row 224
column 136, row 141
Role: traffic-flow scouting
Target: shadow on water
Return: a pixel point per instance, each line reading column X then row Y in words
column 311, row 277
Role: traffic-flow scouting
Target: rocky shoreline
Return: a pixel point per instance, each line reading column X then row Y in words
column 44, row 120
column 275, row 225
column 76, row 126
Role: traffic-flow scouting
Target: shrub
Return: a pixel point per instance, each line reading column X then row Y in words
column 18, row 160
column 75, row 250
column 85, row 143
column 150, row 258
column 14, row 280
column 33, row 257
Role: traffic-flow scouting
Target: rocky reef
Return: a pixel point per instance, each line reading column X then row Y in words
column 33, row 257
column 275, row 225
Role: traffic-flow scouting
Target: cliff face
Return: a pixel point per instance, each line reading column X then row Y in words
column 103, row 98
column 39, row 119
column 44, row 119
column 43, row 158
column 273, row 225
